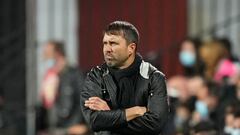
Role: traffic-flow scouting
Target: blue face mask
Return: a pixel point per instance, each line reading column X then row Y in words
column 50, row 63
column 202, row 109
column 187, row 58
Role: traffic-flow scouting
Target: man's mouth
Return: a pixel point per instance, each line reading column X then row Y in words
column 109, row 57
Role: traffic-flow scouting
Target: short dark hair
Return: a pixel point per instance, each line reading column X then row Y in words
column 126, row 29
column 58, row 46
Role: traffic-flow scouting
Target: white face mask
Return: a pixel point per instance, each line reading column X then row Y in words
column 49, row 63
column 228, row 129
column 232, row 131
column 236, row 131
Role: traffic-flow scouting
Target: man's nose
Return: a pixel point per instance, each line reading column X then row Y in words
column 108, row 48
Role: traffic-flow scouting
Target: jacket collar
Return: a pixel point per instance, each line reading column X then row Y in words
column 145, row 69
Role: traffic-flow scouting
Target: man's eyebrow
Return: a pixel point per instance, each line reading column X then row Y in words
column 113, row 42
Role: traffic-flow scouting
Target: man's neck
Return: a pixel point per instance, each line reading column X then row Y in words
column 129, row 71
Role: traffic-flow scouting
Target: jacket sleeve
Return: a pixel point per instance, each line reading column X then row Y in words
column 153, row 121
column 99, row 120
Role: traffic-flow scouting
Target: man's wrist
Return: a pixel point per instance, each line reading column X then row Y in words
column 137, row 111
column 134, row 112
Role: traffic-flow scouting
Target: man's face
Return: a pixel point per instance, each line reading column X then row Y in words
column 48, row 51
column 116, row 50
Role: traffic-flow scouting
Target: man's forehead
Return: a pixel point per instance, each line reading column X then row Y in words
column 112, row 37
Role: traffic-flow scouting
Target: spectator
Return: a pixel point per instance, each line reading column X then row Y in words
column 211, row 53
column 189, row 57
column 60, row 94
column 228, row 67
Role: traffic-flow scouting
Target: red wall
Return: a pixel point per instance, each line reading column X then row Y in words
column 161, row 24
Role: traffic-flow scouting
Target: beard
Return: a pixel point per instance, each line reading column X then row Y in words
column 113, row 62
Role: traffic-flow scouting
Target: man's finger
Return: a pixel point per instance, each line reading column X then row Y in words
column 96, row 103
column 90, row 101
column 93, row 98
column 87, row 104
column 97, row 99
column 95, row 107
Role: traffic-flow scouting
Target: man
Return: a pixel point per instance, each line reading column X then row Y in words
column 125, row 95
column 60, row 93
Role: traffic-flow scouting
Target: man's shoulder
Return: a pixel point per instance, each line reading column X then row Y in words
column 99, row 70
column 147, row 70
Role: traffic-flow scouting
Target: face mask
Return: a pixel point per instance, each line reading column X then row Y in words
column 50, row 63
column 232, row 131
column 187, row 58
column 202, row 109
column 228, row 130
column 236, row 131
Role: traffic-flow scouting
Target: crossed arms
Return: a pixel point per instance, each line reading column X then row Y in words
column 137, row 119
column 97, row 104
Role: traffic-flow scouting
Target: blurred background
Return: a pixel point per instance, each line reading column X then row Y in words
column 195, row 43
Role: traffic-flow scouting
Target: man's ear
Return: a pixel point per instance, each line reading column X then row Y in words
column 132, row 48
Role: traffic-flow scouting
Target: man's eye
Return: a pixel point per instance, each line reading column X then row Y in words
column 113, row 44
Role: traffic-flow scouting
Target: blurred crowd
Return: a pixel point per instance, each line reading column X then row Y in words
column 205, row 99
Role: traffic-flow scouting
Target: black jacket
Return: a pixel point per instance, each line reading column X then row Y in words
column 151, row 93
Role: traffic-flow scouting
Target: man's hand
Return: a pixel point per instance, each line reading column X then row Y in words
column 134, row 112
column 97, row 104
column 79, row 129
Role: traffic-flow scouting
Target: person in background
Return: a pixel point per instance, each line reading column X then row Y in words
column 211, row 52
column 229, row 67
column 125, row 95
column 232, row 120
column 193, row 68
column 226, row 43
column 204, row 128
column 236, row 130
column 189, row 57
column 182, row 88
column 181, row 119
column 60, row 94
column 192, row 65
